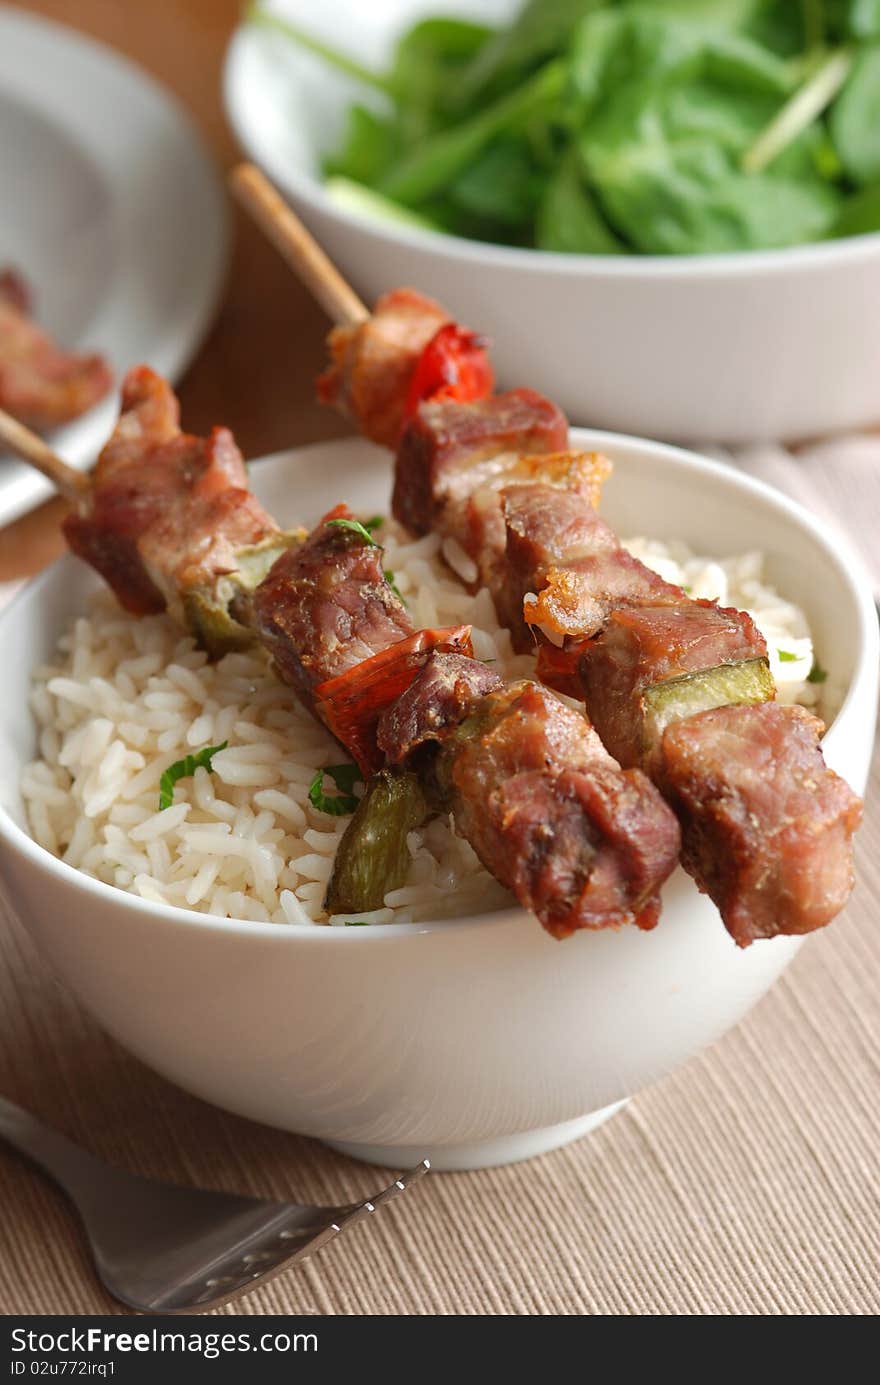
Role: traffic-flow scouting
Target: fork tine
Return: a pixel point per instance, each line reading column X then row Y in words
column 400, row 1185
column 362, row 1210
column 402, row 1182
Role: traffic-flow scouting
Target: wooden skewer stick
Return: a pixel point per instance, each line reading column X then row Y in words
column 33, row 450
column 298, row 246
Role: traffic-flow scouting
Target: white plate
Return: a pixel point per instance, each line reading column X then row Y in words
column 112, row 212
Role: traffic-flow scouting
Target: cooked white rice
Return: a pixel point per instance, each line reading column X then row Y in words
column 127, row 697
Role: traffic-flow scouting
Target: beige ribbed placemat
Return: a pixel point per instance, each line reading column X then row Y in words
column 746, row 1182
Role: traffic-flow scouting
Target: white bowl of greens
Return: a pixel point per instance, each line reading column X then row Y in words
column 666, row 215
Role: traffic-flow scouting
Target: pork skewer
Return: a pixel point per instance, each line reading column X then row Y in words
column 40, row 384
column 681, row 688
column 421, row 355
column 169, row 522
column 580, row 842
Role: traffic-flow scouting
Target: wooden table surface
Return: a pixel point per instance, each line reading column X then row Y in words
column 256, row 370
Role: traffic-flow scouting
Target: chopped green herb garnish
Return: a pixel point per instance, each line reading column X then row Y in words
column 375, row 523
column 389, row 578
column 357, row 528
column 344, row 776
column 817, row 673
column 356, row 923
column 340, row 804
column 185, row 769
column 785, row 656
column 687, row 588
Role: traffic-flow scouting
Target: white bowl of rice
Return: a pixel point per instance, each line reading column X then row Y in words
column 447, row 1023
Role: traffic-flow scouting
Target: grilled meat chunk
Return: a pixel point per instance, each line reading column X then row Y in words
column 550, row 814
column 438, row 700
column 580, row 842
column 565, row 569
column 340, row 635
column 766, row 825
column 326, row 606
column 169, row 516
column 478, row 524
column 654, row 664
column 40, row 384
column 450, row 450
column 14, row 291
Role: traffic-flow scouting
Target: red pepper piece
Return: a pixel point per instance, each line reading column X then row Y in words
column 352, row 703
column 453, row 365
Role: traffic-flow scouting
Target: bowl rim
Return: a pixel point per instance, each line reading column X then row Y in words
column 835, row 550
column 311, row 192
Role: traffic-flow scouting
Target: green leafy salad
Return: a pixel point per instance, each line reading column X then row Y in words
column 656, row 127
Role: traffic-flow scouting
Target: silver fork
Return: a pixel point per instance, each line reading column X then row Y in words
column 162, row 1248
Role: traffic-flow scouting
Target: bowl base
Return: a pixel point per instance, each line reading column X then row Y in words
column 484, row 1154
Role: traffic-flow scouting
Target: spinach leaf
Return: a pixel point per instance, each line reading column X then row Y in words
column 739, row 60
column 635, row 55
column 855, row 118
column 726, row 14
column 426, row 68
column 371, row 145
column 775, row 212
column 541, row 30
column 502, row 183
column 431, row 43
column 824, row 158
column 657, row 51
column 596, row 53
column 728, row 118
column 662, row 157
column 859, row 213
column 785, row 27
column 863, row 18
column 569, row 219
column 430, row 53
column 441, row 158
column 673, row 198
